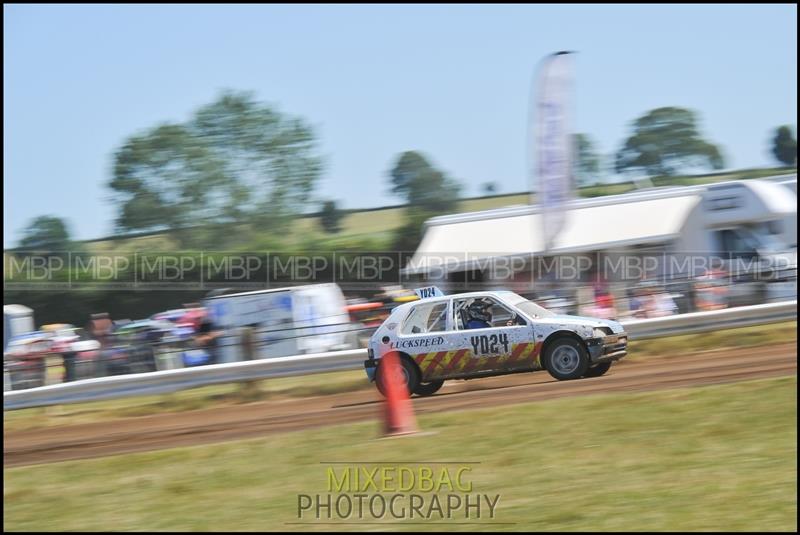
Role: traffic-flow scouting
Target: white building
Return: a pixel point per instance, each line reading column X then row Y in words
column 741, row 219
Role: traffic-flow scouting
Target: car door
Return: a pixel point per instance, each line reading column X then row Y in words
column 424, row 335
column 498, row 348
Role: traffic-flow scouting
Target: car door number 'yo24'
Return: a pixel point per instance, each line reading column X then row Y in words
column 489, row 344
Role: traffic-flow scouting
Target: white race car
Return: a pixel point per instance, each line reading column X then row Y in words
column 483, row 334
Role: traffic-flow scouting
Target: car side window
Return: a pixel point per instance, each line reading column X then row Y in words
column 426, row 318
column 460, row 313
column 499, row 315
column 502, row 316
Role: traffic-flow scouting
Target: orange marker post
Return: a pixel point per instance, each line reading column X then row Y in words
column 398, row 410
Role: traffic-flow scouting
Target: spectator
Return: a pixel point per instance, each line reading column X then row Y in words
column 666, row 304
column 660, row 304
column 99, row 328
column 208, row 339
column 710, row 290
column 69, row 357
column 638, row 303
column 605, row 306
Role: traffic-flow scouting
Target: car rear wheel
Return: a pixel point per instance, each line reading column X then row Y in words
column 428, row 389
column 410, row 376
column 566, row 358
column 598, row 370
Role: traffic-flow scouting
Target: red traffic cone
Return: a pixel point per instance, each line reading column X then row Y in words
column 398, row 410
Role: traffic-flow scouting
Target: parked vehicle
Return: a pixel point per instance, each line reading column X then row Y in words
column 286, row 321
column 79, row 353
column 17, row 320
column 25, row 359
column 367, row 315
column 61, row 351
column 133, row 346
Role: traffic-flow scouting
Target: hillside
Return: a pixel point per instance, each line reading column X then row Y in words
column 379, row 223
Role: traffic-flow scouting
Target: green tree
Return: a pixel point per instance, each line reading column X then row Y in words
column 587, row 162
column 331, row 217
column 421, row 185
column 664, row 141
column 46, row 234
column 427, row 191
column 784, row 146
column 235, row 161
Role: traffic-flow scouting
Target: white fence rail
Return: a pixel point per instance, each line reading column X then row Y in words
column 697, row 322
column 174, row 380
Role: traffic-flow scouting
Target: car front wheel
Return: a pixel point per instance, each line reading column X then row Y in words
column 598, row 370
column 566, row 358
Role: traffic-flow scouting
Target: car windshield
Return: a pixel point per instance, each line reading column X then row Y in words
column 532, row 309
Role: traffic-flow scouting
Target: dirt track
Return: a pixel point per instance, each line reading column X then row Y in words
column 245, row 421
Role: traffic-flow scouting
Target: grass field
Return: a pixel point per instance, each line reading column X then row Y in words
column 329, row 383
column 699, row 459
column 755, row 336
column 377, row 224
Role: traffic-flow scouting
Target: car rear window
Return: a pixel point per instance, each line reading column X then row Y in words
column 426, row 318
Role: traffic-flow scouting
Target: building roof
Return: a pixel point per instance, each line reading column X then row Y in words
column 643, row 217
column 588, row 227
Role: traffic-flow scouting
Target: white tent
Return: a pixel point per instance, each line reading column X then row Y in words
column 590, row 225
column 683, row 216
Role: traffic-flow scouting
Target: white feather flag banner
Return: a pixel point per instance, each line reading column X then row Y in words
column 552, row 173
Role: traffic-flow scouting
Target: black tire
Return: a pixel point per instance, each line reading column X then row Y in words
column 566, row 358
column 410, row 374
column 428, row 389
column 598, row 370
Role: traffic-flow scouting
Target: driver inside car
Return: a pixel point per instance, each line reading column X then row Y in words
column 479, row 315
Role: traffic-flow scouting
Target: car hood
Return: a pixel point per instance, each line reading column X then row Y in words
column 560, row 319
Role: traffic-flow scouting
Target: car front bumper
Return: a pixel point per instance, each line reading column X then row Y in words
column 608, row 348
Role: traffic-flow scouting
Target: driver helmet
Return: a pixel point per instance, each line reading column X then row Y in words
column 479, row 310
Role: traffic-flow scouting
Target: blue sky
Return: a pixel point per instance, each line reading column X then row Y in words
column 451, row 81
